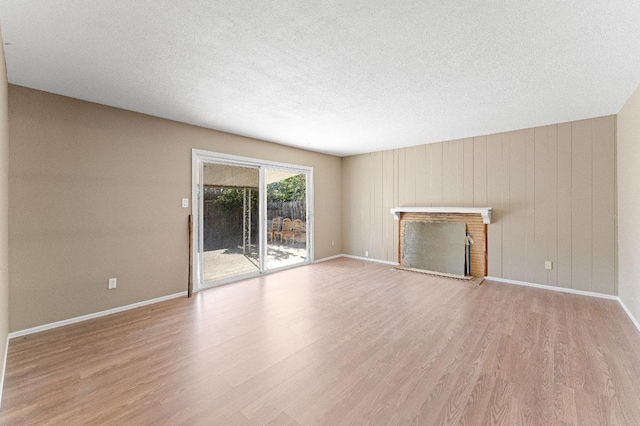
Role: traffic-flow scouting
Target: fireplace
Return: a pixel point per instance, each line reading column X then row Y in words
column 434, row 240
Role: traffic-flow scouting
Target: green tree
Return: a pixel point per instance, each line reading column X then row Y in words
column 293, row 188
column 230, row 203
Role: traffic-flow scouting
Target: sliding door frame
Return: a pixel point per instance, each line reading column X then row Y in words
column 198, row 158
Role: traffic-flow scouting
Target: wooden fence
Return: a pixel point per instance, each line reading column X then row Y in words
column 291, row 209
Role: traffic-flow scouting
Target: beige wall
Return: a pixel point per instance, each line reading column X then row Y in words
column 552, row 190
column 95, row 193
column 629, row 204
column 4, row 201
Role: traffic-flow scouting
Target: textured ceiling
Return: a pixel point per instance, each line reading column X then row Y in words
column 332, row 76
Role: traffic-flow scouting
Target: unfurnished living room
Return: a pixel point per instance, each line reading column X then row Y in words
column 320, row 213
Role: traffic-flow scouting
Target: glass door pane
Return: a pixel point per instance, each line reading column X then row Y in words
column 286, row 218
column 230, row 218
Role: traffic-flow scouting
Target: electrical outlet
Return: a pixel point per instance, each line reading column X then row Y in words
column 112, row 283
column 548, row 265
column 333, row 243
column 366, row 254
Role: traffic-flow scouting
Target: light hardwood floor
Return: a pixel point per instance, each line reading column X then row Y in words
column 340, row 342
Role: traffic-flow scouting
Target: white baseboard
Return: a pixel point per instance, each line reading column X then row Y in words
column 369, row 259
column 4, row 368
column 554, row 288
column 325, row 259
column 93, row 315
column 629, row 314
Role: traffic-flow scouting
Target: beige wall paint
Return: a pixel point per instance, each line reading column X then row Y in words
column 552, row 190
column 95, row 193
column 629, row 204
column 4, row 218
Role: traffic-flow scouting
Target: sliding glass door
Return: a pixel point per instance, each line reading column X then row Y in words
column 250, row 217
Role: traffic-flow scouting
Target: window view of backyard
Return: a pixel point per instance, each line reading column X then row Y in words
column 231, row 221
column 230, row 246
column 286, row 219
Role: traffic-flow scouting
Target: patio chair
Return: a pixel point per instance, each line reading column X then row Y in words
column 275, row 229
column 287, row 230
column 298, row 230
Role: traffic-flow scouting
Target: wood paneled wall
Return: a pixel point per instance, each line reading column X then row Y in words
column 552, row 190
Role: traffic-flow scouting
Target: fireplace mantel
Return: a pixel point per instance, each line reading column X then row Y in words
column 484, row 211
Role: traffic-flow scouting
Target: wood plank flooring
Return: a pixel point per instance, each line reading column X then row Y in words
column 336, row 343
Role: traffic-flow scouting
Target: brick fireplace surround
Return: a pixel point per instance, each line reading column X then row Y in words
column 476, row 220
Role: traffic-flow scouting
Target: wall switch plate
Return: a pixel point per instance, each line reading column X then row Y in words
column 366, row 254
column 333, row 243
column 112, row 283
column 185, row 203
column 548, row 264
